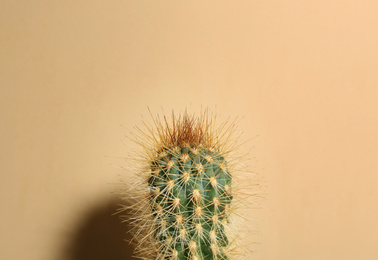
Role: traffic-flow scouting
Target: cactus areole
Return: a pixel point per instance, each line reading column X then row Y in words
column 184, row 213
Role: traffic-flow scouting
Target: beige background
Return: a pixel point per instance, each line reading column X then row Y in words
column 74, row 75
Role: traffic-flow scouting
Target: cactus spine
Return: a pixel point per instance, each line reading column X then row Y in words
column 183, row 205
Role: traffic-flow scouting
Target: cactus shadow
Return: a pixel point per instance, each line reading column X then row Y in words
column 101, row 235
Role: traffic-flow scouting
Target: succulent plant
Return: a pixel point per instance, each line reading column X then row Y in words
column 183, row 204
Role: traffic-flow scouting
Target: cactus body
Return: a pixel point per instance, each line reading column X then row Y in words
column 183, row 204
column 190, row 194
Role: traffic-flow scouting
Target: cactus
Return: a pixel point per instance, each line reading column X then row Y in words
column 184, row 201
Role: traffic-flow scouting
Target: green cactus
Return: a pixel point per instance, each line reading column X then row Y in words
column 190, row 194
column 184, row 202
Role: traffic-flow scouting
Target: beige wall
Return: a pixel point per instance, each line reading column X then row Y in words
column 302, row 74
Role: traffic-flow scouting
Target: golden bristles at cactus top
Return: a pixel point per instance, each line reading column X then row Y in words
column 184, row 204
